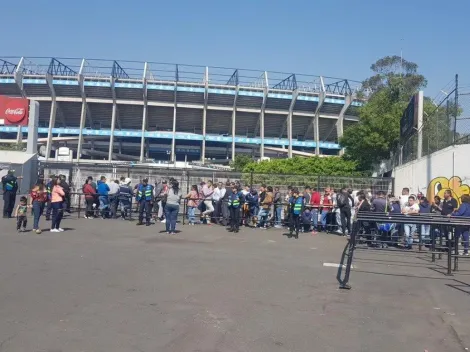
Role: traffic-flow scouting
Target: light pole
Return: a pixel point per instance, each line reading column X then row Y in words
column 169, row 154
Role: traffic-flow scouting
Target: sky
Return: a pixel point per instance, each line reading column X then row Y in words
column 339, row 38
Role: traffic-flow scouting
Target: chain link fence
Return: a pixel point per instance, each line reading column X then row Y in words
column 77, row 173
column 446, row 122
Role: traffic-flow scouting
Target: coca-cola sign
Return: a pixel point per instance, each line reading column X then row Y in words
column 14, row 111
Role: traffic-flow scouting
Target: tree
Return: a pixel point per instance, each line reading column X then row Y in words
column 240, row 162
column 377, row 133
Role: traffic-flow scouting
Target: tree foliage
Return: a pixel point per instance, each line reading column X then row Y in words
column 377, row 133
column 12, row 146
column 240, row 162
column 335, row 166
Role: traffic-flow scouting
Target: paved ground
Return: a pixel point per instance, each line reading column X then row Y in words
column 111, row 286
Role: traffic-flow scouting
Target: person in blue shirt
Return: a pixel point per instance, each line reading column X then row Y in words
column 144, row 197
column 102, row 189
column 463, row 210
column 234, row 203
column 296, row 205
column 252, row 199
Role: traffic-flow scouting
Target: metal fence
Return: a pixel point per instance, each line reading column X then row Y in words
column 446, row 122
column 78, row 172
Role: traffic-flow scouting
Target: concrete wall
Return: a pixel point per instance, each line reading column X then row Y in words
column 24, row 165
column 446, row 169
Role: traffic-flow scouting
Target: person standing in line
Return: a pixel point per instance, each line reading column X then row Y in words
column 224, row 204
column 315, row 200
column 193, row 202
column 207, row 192
column 411, row 209
column 125, row 197
column 38, row 196
column 463, row 210
column 326, row 203
column 172, row 207
column 90, row 194
column 216, row 197
column 113, row 198
column 49, row 187
column 343, row 203
column 10, row 188
column 405, row 194
column 425, row 208
column 234, row 201
column 144, row 198
column 57, row 201
column 277, row 208
column 102, row 189
column 21, row 213
column 66, row 187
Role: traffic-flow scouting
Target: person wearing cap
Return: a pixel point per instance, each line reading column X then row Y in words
column 144, row 197
column 296, row 208
column 10, row 188
column 125, row 197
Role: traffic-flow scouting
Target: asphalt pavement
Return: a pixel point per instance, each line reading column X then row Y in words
column 108, row 285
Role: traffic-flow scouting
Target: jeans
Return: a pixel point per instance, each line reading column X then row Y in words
column 171, row 213
column 234, row 218
column 38, row 208
column 9, row 198
column 425, row 233
column 315, row 218
column 57, row 214
column 209, row 208
column 89, row 206
column 113, row 204
column 145, row 206
column 125, row 207
column 465, row 236
column 324, row 214
column 104, row 204
column 262, row 216
column 192, row 215
column 410, row 229
column 278, row 211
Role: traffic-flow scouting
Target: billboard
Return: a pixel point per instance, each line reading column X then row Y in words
column 14, row 111
column 409, row 119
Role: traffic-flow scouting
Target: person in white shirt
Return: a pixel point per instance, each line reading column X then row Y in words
column 405, row 193
column 113, row 198
column 217, row 196
column 412, row 208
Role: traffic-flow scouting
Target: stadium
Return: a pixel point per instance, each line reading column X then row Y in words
column 147, row 111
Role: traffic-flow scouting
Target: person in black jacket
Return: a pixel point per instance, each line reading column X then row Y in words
column 225, row 205
column 10, row 188
column 66, row 187
column 343, row 201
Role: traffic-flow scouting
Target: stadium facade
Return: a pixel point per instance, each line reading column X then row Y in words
column 143, row 110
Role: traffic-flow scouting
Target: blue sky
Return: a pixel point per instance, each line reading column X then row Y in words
column 333, row 38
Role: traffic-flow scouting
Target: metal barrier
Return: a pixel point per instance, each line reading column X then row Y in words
column 78, row 207
column 444, row 235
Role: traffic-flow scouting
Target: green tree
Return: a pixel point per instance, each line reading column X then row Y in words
column 377, row 133
column 241, row 161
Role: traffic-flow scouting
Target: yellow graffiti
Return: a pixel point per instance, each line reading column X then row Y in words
column 439, row 185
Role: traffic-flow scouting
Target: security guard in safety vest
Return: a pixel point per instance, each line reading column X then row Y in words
column 144, row 197
column 234, row 203
column 296, row 207
column 10, row 187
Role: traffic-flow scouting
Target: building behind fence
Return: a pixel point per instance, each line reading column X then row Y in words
column 447, row 124
column 78, row 172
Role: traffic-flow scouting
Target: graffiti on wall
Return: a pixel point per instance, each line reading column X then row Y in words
column 439, row 185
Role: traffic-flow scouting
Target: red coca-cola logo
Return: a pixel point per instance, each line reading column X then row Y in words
column 15, row 110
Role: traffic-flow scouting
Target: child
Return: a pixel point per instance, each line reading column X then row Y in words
column 20, row 214
column 306, row 220
column 296, row 204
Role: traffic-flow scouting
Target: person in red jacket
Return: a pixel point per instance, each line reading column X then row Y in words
column 326, row 203
column 90, row 194
column 315, row 200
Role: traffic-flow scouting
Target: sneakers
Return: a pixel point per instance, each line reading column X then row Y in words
column 163, row 221
column 54, row 230
column 60, row 229
column 38, row 231
column 19, row 230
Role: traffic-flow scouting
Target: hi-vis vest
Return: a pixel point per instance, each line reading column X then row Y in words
column 234, row 200
column 49, row 190
column 144, row 192
column 297, row 205
column 10, row 185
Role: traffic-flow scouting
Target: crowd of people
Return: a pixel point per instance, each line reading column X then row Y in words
column 232, row 205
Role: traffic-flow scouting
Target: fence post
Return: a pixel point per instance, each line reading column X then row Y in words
column 318, row 183
column 251, row 179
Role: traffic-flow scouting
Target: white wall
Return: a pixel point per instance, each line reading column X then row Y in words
column 433, row 174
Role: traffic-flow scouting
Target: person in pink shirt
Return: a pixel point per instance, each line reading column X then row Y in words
column 57, row 200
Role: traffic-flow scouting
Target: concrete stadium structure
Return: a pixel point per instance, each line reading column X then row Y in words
column 138, row 111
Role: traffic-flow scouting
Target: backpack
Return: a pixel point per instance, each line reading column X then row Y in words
column 342, row 200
